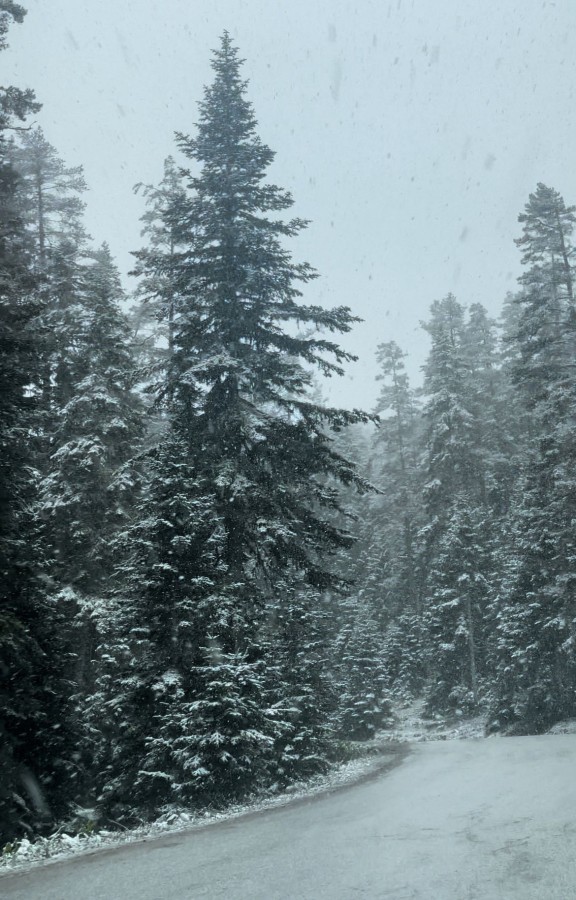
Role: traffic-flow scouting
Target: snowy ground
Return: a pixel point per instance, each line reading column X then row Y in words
column 382, row 753
column 409, row 727
column 489, row 819
column 63, row 845
column 412, row 726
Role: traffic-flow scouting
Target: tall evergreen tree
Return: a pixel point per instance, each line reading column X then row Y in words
column 49, row 194
column 495, row 435
column 250, row 455
column 364, row 706
column 88, row 488
column 90, row 423
column 536, row 682
column 302, row 624
column 50, row 204
column 450, row 459
column 457, row 616
column 36, row 772
column 152, row 315
column 395, row 472
column 452, row 561
column 96, row 432
column 395, row 522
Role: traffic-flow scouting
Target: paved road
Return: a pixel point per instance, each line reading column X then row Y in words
column 458, row 820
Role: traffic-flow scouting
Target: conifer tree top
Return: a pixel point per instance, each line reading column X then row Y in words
column 547, row 223
column 243, row 344
column 230, row 255
column 225, row 113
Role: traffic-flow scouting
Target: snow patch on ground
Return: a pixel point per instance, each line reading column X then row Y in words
column 62, row 845
column 567, row 727
column 413, row 726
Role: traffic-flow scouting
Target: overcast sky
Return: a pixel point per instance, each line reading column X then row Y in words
column 409, row 132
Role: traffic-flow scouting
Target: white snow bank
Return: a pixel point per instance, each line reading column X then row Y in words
column 567, row 727
column 411, row 726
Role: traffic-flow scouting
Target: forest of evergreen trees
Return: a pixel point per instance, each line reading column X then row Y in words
column 211, row 581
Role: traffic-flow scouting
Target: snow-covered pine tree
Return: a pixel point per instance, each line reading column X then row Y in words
column 536, row 668
column 302, row 624
column 496, row 435
column 454, row 498
column 388, row 578
column 35, row 739
column 363, row 705
column 50, row 204
column 49, row 195
column 359, row 618
column 151, row 316
column 461, row 588
column 88, row 488
column 394, row 466
column 450, row 456
column 238, row 491
column 153, row 313
column 546, row 326
column 90, row 424
column 517, row 415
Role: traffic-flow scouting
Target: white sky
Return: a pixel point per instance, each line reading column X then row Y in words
column 409, row 132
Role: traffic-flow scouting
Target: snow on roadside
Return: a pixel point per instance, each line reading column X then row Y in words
column 410, row 726
column 61, row 845
column 567, row 727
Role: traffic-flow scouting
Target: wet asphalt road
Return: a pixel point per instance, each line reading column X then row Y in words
column 457, row 820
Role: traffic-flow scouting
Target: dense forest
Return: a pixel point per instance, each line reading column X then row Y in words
column 213, row 582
